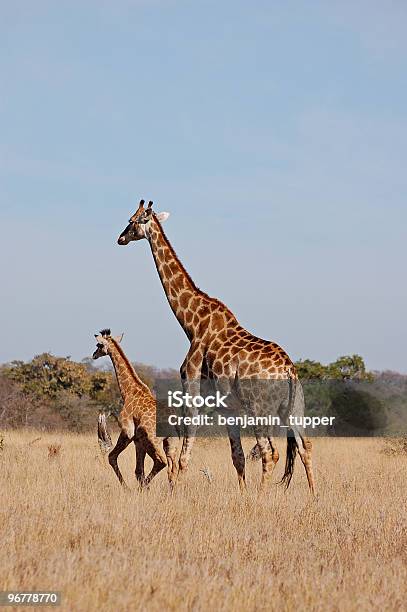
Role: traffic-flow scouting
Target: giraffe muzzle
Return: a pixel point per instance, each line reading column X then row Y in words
column 122, row 240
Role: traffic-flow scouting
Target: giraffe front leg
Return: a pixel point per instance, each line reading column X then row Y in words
column 193, row 389
column 191, row 383
column 140, row 457
column 224, row 384
column 238, row 457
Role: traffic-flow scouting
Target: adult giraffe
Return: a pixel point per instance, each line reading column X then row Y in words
column 224, row 351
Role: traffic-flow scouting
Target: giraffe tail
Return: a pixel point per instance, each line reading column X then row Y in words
column 290, row 459
column 291, row 441
column 104, row 439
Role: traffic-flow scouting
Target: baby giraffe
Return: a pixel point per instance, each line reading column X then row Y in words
column 137, row 418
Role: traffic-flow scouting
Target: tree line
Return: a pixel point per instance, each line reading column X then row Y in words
column 50, row 392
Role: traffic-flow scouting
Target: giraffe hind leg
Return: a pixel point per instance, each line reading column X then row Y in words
column 275, row 456
column 159, row 461
column 122, row 443
column 305, row 452
column 266, row 458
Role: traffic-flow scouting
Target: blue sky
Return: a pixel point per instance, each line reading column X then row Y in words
column 275, row 134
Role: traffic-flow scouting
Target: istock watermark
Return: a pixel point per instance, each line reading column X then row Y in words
column 325, row 407
column 176, row 400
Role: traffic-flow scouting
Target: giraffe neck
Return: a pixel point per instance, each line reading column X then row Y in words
column 178, row 285
column 127, row 378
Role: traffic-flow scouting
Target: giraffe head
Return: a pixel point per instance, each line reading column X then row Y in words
column 139, row 223
column 104, row 343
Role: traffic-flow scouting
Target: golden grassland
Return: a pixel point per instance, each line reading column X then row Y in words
column 66, row 525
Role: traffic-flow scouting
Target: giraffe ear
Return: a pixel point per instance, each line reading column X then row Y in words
column 99, row 338
column 118, row 338
column 162, row 216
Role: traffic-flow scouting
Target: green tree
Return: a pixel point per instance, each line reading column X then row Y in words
column 47, row 375
column 348, row 367
column 310, row 370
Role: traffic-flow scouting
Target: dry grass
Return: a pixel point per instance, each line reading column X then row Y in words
column 67, row 525
column 396, row 446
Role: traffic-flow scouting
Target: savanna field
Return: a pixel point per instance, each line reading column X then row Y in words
column 67, row 525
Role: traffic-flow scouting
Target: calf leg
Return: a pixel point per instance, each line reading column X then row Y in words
column 122, row 443
column 159, row 460
column 170, row 446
